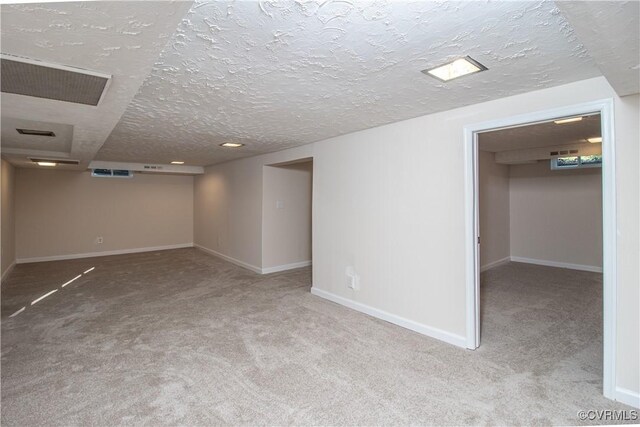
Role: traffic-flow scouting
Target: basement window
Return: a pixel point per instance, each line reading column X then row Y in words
column 576, row 162
column 112, row 173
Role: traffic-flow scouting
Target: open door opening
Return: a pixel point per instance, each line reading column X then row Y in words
column 287, row 215
column 541, row 246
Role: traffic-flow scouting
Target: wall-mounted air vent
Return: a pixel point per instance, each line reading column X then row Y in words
column 23, row 76
column 56, row 161
column 35, row 132
column 153, row 167
column 111, row 173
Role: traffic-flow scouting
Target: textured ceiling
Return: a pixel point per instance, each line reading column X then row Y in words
column 276, row 74
column 123, row 39
column 611, row 32
column 540, row 135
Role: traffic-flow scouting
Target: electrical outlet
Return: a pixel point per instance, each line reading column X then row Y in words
column 99, row 240
column 353, row 280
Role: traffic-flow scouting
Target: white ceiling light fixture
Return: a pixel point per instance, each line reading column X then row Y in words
column 595, row 140
column 455, row 69
column 569, row 120
column 46, row 164
column 232, row 145
column 176, row 162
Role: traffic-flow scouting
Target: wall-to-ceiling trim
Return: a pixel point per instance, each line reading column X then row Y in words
column 605, row 108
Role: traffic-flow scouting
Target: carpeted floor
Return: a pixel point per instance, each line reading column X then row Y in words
column 183, row 338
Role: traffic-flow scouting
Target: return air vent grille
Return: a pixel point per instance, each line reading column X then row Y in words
column 23, row 76
column 111, row 173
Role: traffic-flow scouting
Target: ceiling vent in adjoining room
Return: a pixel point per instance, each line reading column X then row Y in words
column 23, row 76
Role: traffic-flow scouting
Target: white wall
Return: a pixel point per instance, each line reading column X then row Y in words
column 228, row 206
column 389, row 201
column 493, row 186
column 556, row 215
column 286, row 229
column 8, row 249
column 60, row 213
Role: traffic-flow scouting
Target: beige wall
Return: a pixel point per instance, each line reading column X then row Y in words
column 8, row 253
column 60, row 213
column 286, row 229
column 228, row 206
column 493, row 186
column 556, row 215
column 390, row 202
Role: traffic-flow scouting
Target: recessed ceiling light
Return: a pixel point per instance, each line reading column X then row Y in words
column 569, row 120
column 176, row 162
column 35, row 132
column 47, row 164
column 458, row 68
column 595, row 140
column 231, row 144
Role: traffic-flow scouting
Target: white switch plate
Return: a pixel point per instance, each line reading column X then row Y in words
column 99, row 240
column 279, row 204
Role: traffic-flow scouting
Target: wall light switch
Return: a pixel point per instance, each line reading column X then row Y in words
column 99, row 240
column 279, row 204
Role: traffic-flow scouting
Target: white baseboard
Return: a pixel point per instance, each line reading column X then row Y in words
column 286, row 267
column 230, row 259
column 557, row 264
column 628, row 397
column 7, row 271
column 104, row 253
column 495, row 263
column 429, row 331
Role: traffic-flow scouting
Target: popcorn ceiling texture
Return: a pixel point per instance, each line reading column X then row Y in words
column 276, row 74
column 123, row 39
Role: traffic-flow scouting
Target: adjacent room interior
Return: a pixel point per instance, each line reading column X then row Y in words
column 540, row 217
column 262, row 213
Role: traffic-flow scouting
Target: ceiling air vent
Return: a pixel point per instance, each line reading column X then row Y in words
column 35, row 132
column 29, row 77
column 111, row 173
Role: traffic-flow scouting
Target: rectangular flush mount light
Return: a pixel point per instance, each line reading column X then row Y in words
column 595, row 140
column 569, row 120
column 454, row 69
column 231, row 144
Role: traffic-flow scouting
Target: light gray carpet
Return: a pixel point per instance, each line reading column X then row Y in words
column 183, row 338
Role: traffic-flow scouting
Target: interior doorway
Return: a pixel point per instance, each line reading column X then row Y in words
column 287, row 215
column 577, row 154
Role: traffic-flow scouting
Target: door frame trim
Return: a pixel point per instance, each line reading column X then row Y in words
column 609, row 223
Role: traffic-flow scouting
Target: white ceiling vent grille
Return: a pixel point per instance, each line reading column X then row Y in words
column 28, row 77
